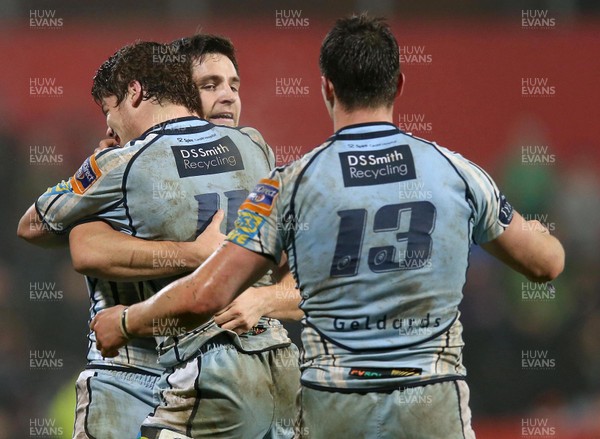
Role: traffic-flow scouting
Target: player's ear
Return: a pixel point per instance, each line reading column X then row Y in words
column 327, row 89
column 135, row 93
column 401, row 79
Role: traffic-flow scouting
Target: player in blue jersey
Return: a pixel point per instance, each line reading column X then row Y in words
column 100, row 251
column 140, row 190
column 377, row 225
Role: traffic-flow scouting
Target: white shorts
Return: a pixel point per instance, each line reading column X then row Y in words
column 226, row 393
column 432, row 411
column 112, row 403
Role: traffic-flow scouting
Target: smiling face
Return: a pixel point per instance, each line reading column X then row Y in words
column 119, row 120
column 218, row 84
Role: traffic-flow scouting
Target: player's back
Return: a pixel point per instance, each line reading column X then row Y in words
column 164, row 185
column 178, row 175
column 184, row 171
column 379, row 241
column 191, row 168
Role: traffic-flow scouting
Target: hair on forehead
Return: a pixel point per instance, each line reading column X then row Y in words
column 161, row 70
column 199, row 45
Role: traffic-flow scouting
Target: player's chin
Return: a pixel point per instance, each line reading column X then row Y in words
column 227, row 121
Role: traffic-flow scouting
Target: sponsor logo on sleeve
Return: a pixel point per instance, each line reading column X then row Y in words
column 506, row 211
column 207, row 158
column 262, row 197
column 247, row 226
column 366, row 168
column 86, row 176
column 60, row 188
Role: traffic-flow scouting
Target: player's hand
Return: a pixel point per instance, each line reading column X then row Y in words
column 211, row 238
column 106, row 325
column 106, row 143
column 243, row 313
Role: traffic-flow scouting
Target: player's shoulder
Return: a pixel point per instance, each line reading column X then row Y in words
column 242, row 134
column 465, row 167
column 456, row 160
column 254, row 134
column 114, row 157
column 475, row 177
column 297, row 167
column 257, row 138
column 421, row 144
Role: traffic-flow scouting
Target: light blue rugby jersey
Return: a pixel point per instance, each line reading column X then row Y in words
column 164, row 185
column 377, row 225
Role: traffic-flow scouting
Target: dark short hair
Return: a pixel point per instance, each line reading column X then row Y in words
column 163, row 73
column 360, row 57
column 199, row 45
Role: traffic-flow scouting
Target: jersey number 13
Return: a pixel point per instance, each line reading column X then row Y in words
column 420, row 216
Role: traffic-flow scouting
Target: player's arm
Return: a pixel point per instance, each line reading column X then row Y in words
column 98, row 250
column 528, row 247
column 32, row 229
column 96, row 186
column 189, row 302
column 278, row 301
column 525, row 246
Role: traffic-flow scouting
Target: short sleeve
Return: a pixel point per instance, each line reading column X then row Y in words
column 95, row 187
column 492, row 211
column 258, row 225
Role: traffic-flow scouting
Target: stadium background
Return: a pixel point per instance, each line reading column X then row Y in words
column 472, row 70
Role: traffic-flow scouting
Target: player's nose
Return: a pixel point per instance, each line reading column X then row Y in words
column 110, row 132
column 228, row 95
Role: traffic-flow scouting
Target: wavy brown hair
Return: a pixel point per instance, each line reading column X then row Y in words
column 162, row 71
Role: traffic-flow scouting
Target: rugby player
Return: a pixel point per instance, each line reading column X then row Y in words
column 380, row 275
column 132, row 112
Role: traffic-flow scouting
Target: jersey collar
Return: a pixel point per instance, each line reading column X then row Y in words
column 365, row 131
column 181, row 121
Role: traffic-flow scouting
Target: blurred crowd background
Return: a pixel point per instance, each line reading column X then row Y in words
column 511, row 85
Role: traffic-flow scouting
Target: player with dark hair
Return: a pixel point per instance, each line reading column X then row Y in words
column 360, row 59
column 150, row 108
column 99, row 251
column 113, row 395
column 215, row 72
column 159, row 84
column 382, row 332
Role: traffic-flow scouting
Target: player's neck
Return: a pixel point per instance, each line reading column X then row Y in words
column 342, row 118
column 158, row 114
